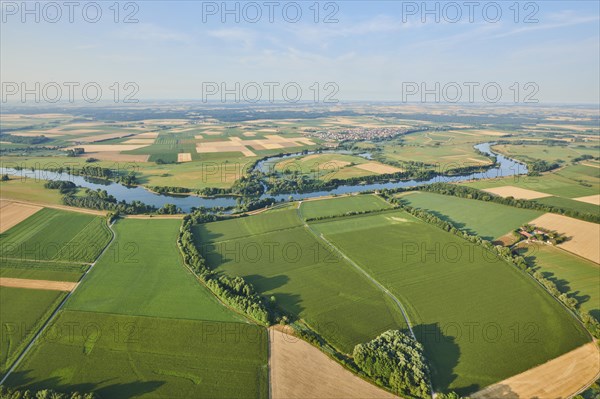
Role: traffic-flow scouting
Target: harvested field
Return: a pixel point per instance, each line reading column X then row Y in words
column 236, row 144
column 591, row 164
column 12, row 213
column 139, row 141
column 247, row 134
column 37, row 284
column 117, row 156
column 101, row 137
column 583, row 236
column 109, row 147
column 559, row 378
column 590, row 199
column 299, row 370
column 516, row 192
column 151, row 135
column 379, row 168
column 184, row 157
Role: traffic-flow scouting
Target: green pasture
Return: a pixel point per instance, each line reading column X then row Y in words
column 341, row 205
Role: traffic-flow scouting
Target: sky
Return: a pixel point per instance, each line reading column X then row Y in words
column 546, row 51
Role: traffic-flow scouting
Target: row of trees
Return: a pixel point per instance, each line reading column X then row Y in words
column 351, row 213
column 396, row 361
column 234, row 291
column 9, row 393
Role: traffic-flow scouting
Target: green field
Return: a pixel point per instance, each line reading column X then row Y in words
column 281, row 258
column 341, row 205
column 481, row 320
column 563, row 183
column 52, row 234
column 142, row 274
column 22, row 313
column 120, row 357
column 485, row 219
column 37, row 274
column 547, row 153
column 28, row 190
column 570, row 273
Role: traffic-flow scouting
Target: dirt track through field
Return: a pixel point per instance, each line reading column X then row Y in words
column 583, row 237
column 299, row 370
column 559, row 378
column 37, row 284
column 13, row 213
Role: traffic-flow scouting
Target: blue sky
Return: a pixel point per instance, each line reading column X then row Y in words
column 369, row 53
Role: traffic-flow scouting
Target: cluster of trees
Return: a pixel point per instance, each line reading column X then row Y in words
column 543, row 234
column 96, row 171
column 169, row 189
column 9, row 393
column 62, row 186
column 539, row 165
column 247, row 205
column 472, row 193
column 506, row 254
column 396, row 361
column 5, row 177
column 75, row 152
column 248, row 186
column 23, row 139
column 101, row 200
column 234, row 291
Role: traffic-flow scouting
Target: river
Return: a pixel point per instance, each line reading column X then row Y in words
column 506, row 167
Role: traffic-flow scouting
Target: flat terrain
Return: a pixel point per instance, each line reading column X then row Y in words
column 516, row 192
column 341, row 205
column 559, row 378
column 428, row 269
column 142, row 274
column 583, row 237
column 12, row 213
column 52, row 234
column 28, row 190
column 485, row 219
column 21, row 314
column 281, row 258
column 570, row 273
column 121, row 356
column 299, row 370
column 37, row 284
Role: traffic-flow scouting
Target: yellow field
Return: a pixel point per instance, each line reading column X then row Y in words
column 590, row 199
column 583, row 236
column 13, row 213
column 559, row 378
column 516, row 192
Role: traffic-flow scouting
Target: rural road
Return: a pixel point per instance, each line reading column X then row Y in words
column 53, row 315
column 360, row 269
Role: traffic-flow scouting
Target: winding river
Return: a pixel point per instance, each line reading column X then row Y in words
column 506, row 167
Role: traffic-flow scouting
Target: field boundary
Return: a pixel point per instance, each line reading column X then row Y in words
column 60, row 207
column 56, row 311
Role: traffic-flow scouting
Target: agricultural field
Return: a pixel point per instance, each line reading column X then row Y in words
column 570, row 273
column 165, row 333
column 281, row 258
column 12, row 213
column 485, row 219
column 331, row 166
column 22, row 313
column 427, row 270
column 530, row 153
column 119, row 356
column 568, row 187
column 341, row 205
column 154, row 267
column 28, row 190
column 56, row 235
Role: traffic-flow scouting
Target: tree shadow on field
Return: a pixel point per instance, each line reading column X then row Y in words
column 459, row 225
column 22, row 380
column 284, row 300
column 442, row 354
column 500, row 391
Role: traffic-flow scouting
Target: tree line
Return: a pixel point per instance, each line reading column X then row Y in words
column 9, row 393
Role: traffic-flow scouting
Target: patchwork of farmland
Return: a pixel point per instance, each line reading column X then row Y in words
column 281, row 258
column 502, row 313
column 485, row 219
column 144, row 326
